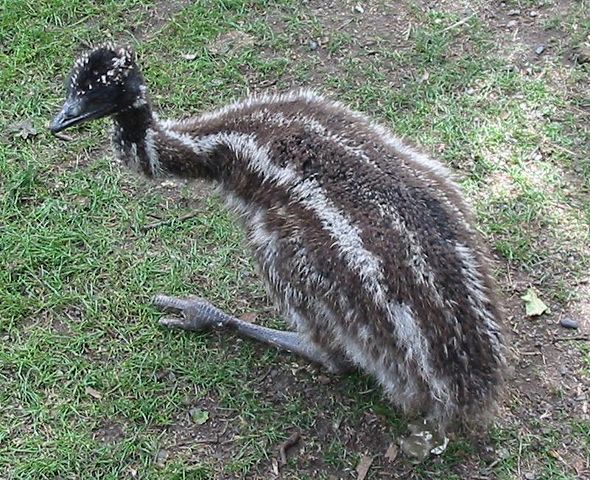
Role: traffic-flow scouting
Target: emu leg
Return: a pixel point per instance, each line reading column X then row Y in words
column 197, row 314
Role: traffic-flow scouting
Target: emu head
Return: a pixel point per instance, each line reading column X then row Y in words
column 103, row 82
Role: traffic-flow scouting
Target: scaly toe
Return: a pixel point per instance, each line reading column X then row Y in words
column 172, row 322
column 170, row 304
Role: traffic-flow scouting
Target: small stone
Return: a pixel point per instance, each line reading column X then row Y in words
column 313, row 45
column 93, row 393
column 540, row 49
column 392, row 452
column 533, row 13
column 514, row 13
column 161, row 457
column 512, row 24
column 568, row 322
column 582, row 54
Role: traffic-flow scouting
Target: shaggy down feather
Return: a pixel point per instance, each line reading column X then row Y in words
column 366, row 245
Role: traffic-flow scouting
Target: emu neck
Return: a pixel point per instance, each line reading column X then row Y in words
column 132, row 124
column 131, row 137
column 166, row 148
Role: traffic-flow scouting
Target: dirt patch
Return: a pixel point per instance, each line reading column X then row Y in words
column 157, row 16
column 548, row 384
column 529, row 36
column 109, row 432
column 332, row 34
column 204, row 431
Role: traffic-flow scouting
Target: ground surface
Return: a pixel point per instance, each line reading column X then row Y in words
column 92, row 388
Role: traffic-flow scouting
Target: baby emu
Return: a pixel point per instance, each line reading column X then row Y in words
column 365, row 245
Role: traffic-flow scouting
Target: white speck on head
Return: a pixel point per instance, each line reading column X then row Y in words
column 119, row 62
column 139, row 102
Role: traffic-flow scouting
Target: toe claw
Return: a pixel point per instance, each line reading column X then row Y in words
column 190, row 313
column 172, row 304
column 171, row 322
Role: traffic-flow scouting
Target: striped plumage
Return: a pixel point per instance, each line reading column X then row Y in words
column 365, row 245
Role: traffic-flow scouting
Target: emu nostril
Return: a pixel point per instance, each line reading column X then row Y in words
column 69, row 115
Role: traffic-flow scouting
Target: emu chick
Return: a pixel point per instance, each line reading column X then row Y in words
column 365, row 245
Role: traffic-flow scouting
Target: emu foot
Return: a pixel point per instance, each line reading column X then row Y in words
column 193, row 314
column 197, row 315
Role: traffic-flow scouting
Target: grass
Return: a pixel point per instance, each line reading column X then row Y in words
column 92, row 388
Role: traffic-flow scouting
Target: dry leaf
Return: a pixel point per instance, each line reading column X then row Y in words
column 555, row 454
column 363, row 467
column 392, row 452
column 93, row 393
column 440, row 449
column 534, row 306
column 231, row 42
column 286, row 445
column 23, row 129
column 275, row 466
column 199, row 416
column 249, row 317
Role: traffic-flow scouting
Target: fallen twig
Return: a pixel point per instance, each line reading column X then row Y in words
column 576, row 339
column 168, row 221
column 363, row 467
column 459, row 23
column 63, row 136
column 491, row 466
column 566, row 150
column 347, row 22
column 408, row 32
column 198, row 441
column 286, row 445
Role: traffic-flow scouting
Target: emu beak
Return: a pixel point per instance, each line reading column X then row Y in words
column 71, row 114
